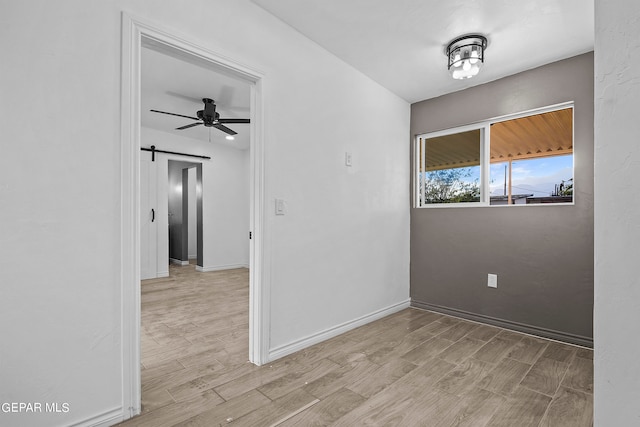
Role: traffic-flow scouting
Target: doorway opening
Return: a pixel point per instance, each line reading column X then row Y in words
column 137, row 35
column 198, row 315
column 185, row 213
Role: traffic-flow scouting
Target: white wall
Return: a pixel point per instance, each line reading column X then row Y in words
column 341, row 252
column 225, row 198
column 617, row 213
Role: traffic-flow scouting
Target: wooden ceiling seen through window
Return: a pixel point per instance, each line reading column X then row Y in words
column 539, row 135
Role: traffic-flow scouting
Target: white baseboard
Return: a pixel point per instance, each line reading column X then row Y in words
column 105, row 419
column 178, row 261
column 160, row 274
column 221, row 267
column 193, row 256
column 316, row 338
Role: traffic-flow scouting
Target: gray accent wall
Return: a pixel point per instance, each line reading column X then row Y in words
column 543, row 255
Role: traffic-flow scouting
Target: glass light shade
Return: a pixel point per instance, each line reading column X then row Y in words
column 466, row 56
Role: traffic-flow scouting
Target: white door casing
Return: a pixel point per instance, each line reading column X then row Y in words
column 137, row 33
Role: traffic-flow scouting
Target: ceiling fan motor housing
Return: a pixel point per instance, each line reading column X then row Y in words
column 208, row 115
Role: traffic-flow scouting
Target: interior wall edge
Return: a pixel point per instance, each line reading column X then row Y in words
column 507, row 324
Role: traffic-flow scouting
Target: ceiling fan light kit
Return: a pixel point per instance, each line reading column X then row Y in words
column 466, row 56
column 208, row 117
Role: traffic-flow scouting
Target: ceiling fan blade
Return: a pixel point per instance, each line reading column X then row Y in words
column 174, row 114
column 189, row 126
column 225, row 129
column 234, row 121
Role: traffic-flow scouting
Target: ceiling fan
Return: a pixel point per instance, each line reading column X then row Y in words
column 208, row 117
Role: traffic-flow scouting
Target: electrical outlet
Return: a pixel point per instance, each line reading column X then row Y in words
column 492, row 280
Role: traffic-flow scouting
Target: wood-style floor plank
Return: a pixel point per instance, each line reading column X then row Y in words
column 483, row 333
column 475, row 409
column 569, row 408
column 174, row 413
column 427, row 350
column 257, row 378
column 495, row 349
column 559, row 352
column 408, row 343
column 505, row 377
column 382, row 377
column 226, row 412
column 461, row 350
column 397, row 407
column 585, row 353
column 341, row 377
column 458, row 331
column 524, row 408
column 545, row 376
column 166, row 368
column 425, row 376
column 327, row 411
column 297, row 379
column 411, row 368
column 194, row 383
column 278, row 411
column 528, row 349
column 464, row 377
column 580, row 375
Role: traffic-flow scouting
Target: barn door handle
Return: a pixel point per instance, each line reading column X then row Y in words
column 153, row 214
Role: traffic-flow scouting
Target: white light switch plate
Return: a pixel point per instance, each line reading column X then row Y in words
column 279, row 207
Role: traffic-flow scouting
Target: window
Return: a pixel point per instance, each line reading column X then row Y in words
column 522, row 159
column 451, row 168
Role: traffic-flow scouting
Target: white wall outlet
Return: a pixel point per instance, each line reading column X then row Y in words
column 348, row 159
column 492, row 280
column 279, row 207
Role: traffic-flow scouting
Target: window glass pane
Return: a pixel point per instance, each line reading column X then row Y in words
column 450, row 172
column 532, row 159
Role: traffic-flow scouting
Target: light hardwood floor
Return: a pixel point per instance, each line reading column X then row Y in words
column 413, row 368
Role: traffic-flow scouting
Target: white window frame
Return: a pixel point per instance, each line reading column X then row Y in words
column 485, row 153
column 484, row 171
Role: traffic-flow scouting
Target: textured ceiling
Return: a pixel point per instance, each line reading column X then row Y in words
column 400, row 44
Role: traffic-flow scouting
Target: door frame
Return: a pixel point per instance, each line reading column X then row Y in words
column 136, row 34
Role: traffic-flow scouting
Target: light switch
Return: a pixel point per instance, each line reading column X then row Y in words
column 279, row 207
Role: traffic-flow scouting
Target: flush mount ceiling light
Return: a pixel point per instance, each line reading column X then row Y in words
column 466, row 56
